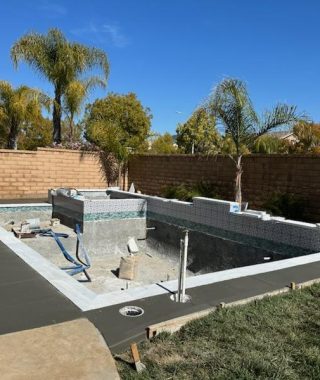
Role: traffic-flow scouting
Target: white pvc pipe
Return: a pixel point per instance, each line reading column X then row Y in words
column 180, row 272
column 184, row 267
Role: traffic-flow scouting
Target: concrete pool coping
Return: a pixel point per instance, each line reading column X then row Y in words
column 23, row 204
column 87, row 300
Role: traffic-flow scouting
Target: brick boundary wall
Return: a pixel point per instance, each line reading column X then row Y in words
column 263, row 175
column 29, row 174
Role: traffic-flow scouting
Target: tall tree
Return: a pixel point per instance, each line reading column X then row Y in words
column 36, row 133
column 308, row 136
column 19, row 107
column 199, row 133
column 163, row 144
column 74, row 97
column 231, row 104
column 119, row 125
column 269, row 144
column 61, row 62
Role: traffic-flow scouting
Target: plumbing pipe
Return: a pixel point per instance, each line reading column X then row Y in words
column 180, row 272
column 184, row 268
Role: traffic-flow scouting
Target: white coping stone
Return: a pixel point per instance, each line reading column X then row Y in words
column 72, row 289
column 97, row 190
column 86, row 300
column 3, row 205
column 298, row 223
column 177, row 201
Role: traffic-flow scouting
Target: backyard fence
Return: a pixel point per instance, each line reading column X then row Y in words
column 263, row 175
column 29, row 174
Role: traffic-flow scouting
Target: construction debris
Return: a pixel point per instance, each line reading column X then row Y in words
column 132, row 246
column 132, row 188
column 25, row 234
column 28, row 228
column 54, row 222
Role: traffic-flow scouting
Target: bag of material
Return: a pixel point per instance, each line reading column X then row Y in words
column 127, row 269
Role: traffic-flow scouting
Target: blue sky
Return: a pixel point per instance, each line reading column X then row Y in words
column 172, row 52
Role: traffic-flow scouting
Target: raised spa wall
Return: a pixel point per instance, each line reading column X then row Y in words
column 107, row 224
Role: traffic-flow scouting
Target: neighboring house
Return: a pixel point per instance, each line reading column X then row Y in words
column 286, row 136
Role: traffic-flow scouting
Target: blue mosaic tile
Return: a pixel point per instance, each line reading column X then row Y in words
column 25, row 208
column 114, row 215
column 234, row 236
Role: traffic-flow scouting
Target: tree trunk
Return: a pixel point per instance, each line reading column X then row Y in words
column 124, row 177
column 119, row 174
column 56, row 116
column 238, row 193
column 71, row 131
column 12, row 142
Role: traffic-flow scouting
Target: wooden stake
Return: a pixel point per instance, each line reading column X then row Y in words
column 135, row 352
column 136, row 358
column 292, row 285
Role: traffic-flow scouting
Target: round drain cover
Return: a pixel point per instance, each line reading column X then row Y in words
column 131, row 311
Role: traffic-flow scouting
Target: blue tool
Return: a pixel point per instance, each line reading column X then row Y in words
column 79, row 265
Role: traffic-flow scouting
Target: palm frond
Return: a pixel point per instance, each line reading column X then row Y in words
column 57, row 59
column 280, row 115
column 231, row 104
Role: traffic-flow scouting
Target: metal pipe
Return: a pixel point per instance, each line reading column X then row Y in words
column 180, row 272
column 184, row 267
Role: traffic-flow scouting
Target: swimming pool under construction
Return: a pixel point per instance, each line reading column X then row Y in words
column 231, row 255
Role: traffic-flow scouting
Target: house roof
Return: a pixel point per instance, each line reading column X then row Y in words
column 282, row 135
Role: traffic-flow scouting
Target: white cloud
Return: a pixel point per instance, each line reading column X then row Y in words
column 53, row 9
column 117, row 37
column 106, row 33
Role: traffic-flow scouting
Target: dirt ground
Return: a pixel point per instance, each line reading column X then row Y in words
column 152, row 267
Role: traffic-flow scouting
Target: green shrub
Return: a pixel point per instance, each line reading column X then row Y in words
column 185, row 192
column 289, row 205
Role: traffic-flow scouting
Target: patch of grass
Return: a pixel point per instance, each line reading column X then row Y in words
column 275, row 338
column 185, row 192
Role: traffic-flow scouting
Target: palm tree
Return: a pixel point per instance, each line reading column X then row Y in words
column 18, row 107
column 60, row 62
column 232, row 106
column 73, row 99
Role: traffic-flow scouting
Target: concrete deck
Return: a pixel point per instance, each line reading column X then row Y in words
column 161, row 308
column 27, row 300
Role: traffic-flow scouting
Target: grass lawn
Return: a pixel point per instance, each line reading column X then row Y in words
column 275, row 338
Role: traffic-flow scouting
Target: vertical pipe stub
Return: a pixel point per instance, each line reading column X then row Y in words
column 181, row 293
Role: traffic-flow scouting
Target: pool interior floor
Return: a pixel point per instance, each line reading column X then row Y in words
column 152, row 266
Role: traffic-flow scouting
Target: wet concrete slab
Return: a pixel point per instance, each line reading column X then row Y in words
column 28, row 300
column 125, row 330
